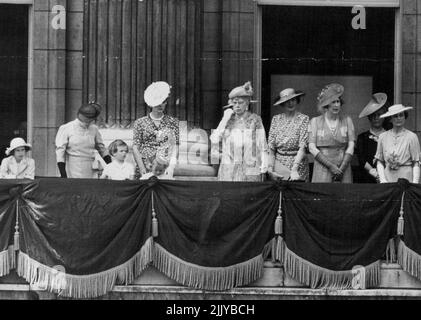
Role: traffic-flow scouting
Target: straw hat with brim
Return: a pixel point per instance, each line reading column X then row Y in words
column 329, row 94
column 17, row 143
column 286, row 95
column 377, row 102
column 395, row 109
column 156, row 93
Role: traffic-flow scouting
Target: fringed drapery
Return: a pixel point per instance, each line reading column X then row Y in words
column 79, row 238
column 317, row 277
column 84, row 286
column 207, row 278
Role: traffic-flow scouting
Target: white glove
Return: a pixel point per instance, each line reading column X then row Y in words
column 227, row 114
column 295, row 175
column 373, row 172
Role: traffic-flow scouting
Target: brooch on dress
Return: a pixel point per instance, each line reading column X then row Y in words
column 393, row 162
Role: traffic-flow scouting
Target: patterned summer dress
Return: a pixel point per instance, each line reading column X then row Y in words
column 286, row 137
column 151, row 139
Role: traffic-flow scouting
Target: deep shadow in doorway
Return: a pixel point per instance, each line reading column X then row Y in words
column 13, row 73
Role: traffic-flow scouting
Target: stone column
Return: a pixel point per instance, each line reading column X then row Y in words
column 49, row 69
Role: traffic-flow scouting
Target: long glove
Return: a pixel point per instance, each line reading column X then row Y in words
column 325, row 162
column 62, row 168
column 344, row 165
column 216, row 135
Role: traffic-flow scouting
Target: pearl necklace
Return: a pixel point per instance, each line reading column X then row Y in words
column 331, row 126
column 156, row 119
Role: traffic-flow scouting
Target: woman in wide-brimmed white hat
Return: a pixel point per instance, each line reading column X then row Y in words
column 244, row 148
column 332, row 138
column 157, row 132
column 17, row 165
column 367, row 141
column 398, row 150
column 288, row 139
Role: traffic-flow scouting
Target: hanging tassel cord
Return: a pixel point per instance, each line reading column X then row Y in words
column 16, row 235
column 154, row 219
column 401, row 220
column 278, row 221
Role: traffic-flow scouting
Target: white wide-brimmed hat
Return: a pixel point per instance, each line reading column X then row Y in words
column 156, row 93
column 377, row 102
column 17, row 143
column 395, row 109
column 287, row 94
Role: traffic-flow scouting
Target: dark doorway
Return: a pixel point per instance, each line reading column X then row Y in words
column 13, row 73
column 319, row 44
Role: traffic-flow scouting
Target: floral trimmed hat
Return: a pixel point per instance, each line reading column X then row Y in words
column 329, row 93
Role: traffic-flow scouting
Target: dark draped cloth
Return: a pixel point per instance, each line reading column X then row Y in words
column 210, row 234
column 9, row 194
column 409, row 252
column 331, row 228
column 79, row 238
column 91, row 233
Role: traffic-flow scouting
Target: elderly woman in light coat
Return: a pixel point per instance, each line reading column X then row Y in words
column 244, row 148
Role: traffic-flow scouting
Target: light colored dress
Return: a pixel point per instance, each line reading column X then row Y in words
column 11, row 169
column 398, row 153
column 151, row 139
column 332, row 145
column 119, row 171
column 75, row 145
column 243, row 149
column 286, row 137
column 163, row 176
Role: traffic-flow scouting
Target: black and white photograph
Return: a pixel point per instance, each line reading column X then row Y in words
column 210, row 154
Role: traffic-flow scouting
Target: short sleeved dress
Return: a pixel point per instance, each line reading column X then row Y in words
column 286, row 137
column 332, row 145
column 150, row 138
column 398, row 154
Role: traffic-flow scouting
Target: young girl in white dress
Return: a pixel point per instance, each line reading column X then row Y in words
column 118, row 169
column 18, row 165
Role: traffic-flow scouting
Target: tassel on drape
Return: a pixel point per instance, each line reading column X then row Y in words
column 154, row 219
column 278, row 221
column 84, row 287
column 16, row 235
column 278, row 244
column 207, row 278
column 320, row 278
column 401, row 220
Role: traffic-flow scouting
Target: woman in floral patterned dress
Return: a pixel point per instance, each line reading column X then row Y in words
column 156, row 134
column 244, row 147
column 288, row 139
column 398, row 150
